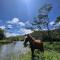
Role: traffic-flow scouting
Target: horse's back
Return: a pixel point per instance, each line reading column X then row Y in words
column 38, row 41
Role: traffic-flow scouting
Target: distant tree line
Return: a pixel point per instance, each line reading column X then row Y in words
column 2, row 35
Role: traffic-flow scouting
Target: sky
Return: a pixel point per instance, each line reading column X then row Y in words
column 16, row 14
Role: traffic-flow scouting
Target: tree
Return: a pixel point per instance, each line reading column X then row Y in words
column 57, row 23
column 2, row 35
column 42, row 20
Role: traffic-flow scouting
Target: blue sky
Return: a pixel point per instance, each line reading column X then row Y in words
column 16, row 14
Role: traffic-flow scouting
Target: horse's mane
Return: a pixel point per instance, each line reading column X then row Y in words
column 31, row 37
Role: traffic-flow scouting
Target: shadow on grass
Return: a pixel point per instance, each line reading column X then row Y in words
column 38, row 55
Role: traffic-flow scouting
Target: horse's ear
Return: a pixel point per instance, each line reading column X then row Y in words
column 28, row 35
column 25, row 35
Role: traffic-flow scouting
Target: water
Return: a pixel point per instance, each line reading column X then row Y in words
column 12, row 51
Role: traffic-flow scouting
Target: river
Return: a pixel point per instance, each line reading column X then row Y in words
column 12, row 51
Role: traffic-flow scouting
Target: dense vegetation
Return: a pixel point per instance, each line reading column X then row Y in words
column 54, row 35
column 2, row 35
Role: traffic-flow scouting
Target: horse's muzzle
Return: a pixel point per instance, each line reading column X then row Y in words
column 25, row 45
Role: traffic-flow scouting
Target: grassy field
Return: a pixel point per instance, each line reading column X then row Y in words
column 48, row 55
column 52, row 52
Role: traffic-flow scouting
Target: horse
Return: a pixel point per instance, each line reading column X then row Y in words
column 34, row 44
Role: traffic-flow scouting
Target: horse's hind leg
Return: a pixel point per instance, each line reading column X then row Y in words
column 42, row 49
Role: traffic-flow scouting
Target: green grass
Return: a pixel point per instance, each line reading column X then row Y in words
column 52, row 55
column 51, row 52
column 55, row 46
column 48, row 55
column 26, row 56
column 5, row 41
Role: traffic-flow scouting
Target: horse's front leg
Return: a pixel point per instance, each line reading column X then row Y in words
column 32, row 50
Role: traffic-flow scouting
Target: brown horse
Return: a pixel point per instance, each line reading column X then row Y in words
column 34, row 44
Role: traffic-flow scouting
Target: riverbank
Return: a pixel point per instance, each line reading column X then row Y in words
column 4, row 42
column 8, row 41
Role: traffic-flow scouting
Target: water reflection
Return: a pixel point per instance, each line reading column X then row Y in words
column 12, row 51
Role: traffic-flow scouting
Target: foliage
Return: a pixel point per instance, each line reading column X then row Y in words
column 58, row 19
column 2, row 35
column 57, row 23
column 42, row 21
column 55, row 35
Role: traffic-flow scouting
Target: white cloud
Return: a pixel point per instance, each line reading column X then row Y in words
column 22, row 31
column 20, row 27
column 14, row 21
column 45, row 29
column 2, row 27
column 21, row 24
column 58, row 24
column 25, row 31
column 51, row 23
column 9, row 26
column 10, row 34
column 28, row 23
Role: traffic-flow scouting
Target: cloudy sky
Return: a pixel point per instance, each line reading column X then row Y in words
column 16, row 14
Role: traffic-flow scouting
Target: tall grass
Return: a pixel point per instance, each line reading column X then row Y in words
column 48, row 55
column 52, row 52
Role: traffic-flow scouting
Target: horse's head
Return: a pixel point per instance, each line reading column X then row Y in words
column 26, row 40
